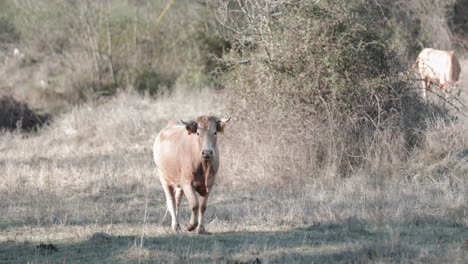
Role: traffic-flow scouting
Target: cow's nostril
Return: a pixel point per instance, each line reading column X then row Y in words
column 206, row 153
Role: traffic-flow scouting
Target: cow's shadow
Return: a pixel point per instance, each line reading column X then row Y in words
column 353, row 241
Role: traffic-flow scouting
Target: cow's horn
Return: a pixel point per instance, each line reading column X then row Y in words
column 224, row 119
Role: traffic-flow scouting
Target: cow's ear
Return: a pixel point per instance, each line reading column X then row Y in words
column 222, row 123
column 191, row 126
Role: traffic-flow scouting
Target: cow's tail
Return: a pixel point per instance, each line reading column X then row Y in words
column 159, row 173
column 165, row 214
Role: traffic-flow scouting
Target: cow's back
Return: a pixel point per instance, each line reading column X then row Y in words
column 170, row 151
column 439, row 65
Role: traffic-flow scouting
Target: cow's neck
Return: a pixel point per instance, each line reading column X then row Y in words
column 209, row 167
column 209, row 173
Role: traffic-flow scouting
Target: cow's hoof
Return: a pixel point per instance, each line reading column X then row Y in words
column 192, row 227
column 202, row 231
column 176, row 228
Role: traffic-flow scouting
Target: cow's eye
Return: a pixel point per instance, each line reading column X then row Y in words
column 198, row 134
column 215, row 133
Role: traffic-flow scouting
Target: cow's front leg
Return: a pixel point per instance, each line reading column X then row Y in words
column 193, row 201
column 203, row 201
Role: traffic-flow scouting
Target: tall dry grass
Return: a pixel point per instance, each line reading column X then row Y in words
column 125, row 125
column 91, row 170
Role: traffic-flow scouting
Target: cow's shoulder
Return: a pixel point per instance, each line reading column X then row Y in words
column 171, row 132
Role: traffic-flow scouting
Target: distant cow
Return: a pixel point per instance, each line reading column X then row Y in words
column 438, row 67
column 187, row 159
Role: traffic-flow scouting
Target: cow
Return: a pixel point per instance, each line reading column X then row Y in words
column 187, row 160
column 438, row 67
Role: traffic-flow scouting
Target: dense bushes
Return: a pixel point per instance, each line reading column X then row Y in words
column 458, row 22
column 325, row 83
column 152, row 82
column 342, row 53
column 458, row 19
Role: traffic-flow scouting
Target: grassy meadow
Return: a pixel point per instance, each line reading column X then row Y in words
column 330, row 157
column 91, row 170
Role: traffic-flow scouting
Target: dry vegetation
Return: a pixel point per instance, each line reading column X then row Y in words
column 307, row 175
column 91, row 170
column 89, row 49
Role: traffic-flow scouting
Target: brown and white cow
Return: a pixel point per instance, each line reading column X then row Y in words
column 187, row 158
column 438, row 67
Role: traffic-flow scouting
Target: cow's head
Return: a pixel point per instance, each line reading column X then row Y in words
column 206, row 128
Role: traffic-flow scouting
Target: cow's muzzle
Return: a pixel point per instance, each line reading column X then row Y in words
column 207, row 154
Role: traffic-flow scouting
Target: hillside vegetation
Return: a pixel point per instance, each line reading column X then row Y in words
column 331, row 155
column 89, row 49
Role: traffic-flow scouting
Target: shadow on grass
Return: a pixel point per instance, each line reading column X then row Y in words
column 355, row 241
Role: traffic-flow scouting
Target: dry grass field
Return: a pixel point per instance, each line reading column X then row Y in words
column 91, row 170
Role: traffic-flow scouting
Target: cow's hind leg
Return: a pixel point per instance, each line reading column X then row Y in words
column 170, row 203
column 178, row 197
column 193, row 200
column 203, row 202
